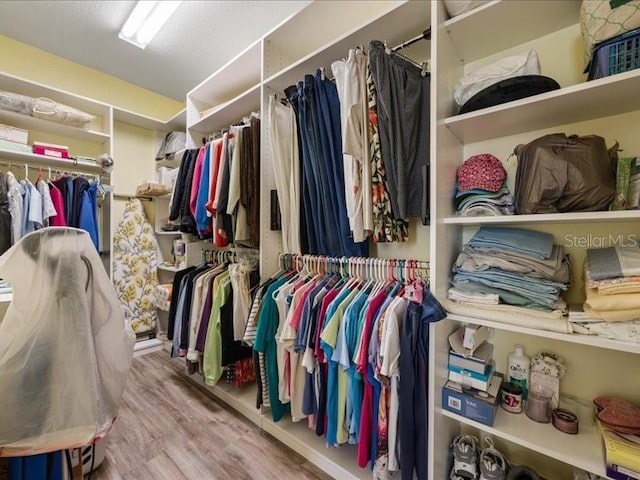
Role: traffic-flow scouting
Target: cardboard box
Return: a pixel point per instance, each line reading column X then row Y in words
column 13, row 134
column 471, row 403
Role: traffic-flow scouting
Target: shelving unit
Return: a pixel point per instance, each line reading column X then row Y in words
column 603, row 107
column 279, row 59
column 95, row 139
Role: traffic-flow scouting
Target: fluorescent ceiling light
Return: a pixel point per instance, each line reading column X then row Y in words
column 146, row 20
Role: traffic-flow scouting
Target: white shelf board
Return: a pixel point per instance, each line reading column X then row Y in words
column 170, row 269
column 19, row 85
column 229, row 112
column 584, row 450
column 395, row 25
column 6, row 297
column 278, row 42
column 45, row 161
column 177, row 122
column 143, row 347
column 337, row 462
column 243, row 399
column 29, row 123
column 590, row 340
column 505, row 20
column 585, row 101
column 575, row 217
column 235, row 76
column 174, row 234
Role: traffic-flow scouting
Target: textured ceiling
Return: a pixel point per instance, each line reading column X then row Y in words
column 198, row 39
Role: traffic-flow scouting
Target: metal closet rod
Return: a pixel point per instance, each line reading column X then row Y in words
column 362, row 267
column 425, row 35
column 50, row 171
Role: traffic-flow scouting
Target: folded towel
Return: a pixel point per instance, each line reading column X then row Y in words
column 621, row 301
column 613, row 262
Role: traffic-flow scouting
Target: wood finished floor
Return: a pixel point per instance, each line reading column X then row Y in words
column 169, row 429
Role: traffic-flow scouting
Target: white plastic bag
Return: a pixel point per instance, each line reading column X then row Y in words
column 458, row 7
column 512, row 66
column 65, row 349
column 48, row 109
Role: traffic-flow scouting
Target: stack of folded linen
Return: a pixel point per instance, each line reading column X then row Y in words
column 613, row 283
column 481, row 188
column 512, row 275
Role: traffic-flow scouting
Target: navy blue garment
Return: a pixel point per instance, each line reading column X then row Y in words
column 414, row 372
column 322, row 162
column 310, row 165
column 80, row 185
column 329, row 126
column 175, row 291
column 188, row 157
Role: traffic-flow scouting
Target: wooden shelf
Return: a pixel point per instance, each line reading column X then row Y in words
column 590, row 340
column 227, row 113
column 595, row 99
column 398, row 24
column 505, row 20
column 177, row 122
column 576, row 217
column 43, row 160
column 584, row 450
column 236, row 76
column 29, row 123
column 170, row 269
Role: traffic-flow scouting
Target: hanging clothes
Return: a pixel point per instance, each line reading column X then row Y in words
column 286, row 165
column 403, row 121
column 135, row 263
column 351, row 81
column 315, row 101
column 206, row 312
column 333, row 350
column 5, row 216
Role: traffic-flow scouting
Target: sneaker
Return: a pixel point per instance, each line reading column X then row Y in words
column 465, row 458
column 493, row 466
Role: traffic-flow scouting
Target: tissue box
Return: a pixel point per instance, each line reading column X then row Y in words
column 471, row 403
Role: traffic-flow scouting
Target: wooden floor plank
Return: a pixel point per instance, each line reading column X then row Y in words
column 168, row 429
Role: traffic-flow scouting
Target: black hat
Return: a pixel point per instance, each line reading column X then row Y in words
column 513, row 88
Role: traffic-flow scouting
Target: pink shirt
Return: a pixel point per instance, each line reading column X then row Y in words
column 195, row 182
column 56, row 198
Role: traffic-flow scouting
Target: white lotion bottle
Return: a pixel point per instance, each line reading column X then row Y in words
column 518, row 366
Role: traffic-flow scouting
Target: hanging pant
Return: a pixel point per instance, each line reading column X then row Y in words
column 414, row 384
column 403, row 123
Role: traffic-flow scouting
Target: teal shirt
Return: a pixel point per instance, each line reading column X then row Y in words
column 266, row 343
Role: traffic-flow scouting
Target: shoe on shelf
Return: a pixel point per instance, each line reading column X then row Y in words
column 493, row 465
column 465, row 458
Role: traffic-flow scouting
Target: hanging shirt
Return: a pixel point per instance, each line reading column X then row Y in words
column 266, row 343
column 195, row 181
column 16, row 206
column 48, row 210
column 59, row 219
column 87, row 220
column 35, row 207
column 27, row 226
column 212, row 360
column 203, row 222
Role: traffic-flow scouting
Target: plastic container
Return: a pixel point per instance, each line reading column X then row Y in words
column 617, row 55
column 518, row 367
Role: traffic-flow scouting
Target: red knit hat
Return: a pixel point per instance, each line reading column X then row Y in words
column 483, row 172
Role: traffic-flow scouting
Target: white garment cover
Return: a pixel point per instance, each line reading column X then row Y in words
column 65, row 348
